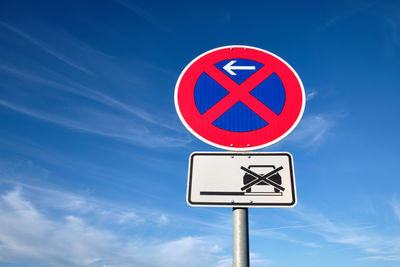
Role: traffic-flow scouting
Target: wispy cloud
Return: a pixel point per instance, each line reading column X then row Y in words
column 394, row 25
column 29, row 162
column 102, row 212
column 105, row 124
column 142, row 13
column 311, row 94
column 84, row 106
column 349, row 10
column 312, row 130
column 279, row 233
column 316, row 229
column 389, row 13
column 291, row 227
column 27, row 235
column 23, row 228
column 258, row 260
column 45, row 48
column 365, row 237
column 89, row 93
column 396, row 206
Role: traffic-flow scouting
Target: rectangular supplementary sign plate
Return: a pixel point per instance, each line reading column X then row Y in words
column 232, row 179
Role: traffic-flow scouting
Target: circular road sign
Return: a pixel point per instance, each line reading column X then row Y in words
column 239, row 98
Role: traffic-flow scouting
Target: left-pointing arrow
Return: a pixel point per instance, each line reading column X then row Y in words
column 229, row 67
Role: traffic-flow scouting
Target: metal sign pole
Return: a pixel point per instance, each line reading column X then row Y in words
column 240, row 238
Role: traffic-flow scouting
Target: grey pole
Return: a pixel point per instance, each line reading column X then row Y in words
column 240, row 238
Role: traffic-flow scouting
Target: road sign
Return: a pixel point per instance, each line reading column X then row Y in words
column 241, row 180
column 239, row 98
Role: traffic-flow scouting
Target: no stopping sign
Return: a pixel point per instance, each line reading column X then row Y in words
column 239, row 98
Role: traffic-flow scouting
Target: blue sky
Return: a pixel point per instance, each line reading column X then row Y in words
column 93, row 158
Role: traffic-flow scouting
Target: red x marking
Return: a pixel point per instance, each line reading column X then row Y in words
column 239, row 93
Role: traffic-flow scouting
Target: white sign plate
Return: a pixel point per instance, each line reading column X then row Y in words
column 241, row 179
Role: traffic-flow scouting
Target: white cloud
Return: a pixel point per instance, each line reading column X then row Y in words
column 83, row 104
column 396, row 207
column 311, row 94
column 28, row 235
column 73, row 87
column 365, row 238
column 83, row 205
column 39, row 226
column 279, row 233
column 45, row 48
column 187, row 251
column 143, row 14
column 105, row 124
column 311, row 131
column 163, row 219
column 315, row 230
column 257, row 260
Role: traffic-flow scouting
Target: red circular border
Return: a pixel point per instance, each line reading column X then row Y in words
column 272, row 133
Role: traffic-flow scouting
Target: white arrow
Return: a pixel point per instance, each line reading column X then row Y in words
column 228, row 67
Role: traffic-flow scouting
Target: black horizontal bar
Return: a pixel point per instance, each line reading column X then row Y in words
column 216, row 193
